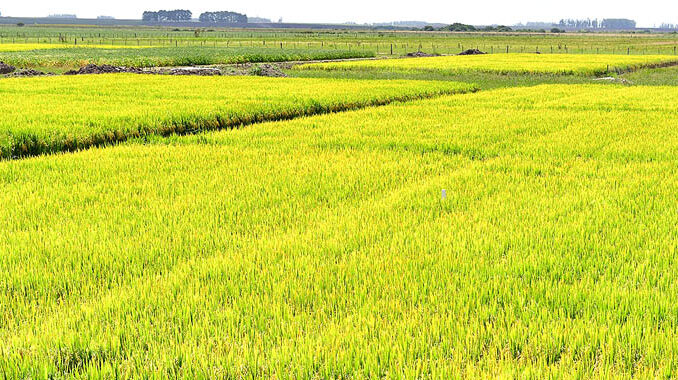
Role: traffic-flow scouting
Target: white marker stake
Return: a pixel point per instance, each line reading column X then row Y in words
column 444, row 194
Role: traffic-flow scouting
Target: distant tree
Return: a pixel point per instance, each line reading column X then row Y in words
column 429, row 28
column 149, row 16
column 579, row 24
column 223, row 16
column 458, row 27
column 167, row 16
column 497, row 28
column 618, row 24
column 20, row 24
column 556, row 30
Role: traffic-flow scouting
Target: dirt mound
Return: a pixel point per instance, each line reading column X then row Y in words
column 421, row 54
column 6, row 69
column 267, row 70
column 472, row 52
column 193, row 71
column 614, row 80
column 103, row 69
column 28, row 73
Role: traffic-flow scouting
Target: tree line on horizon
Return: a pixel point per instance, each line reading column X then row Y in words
column 179, row 15
column 606, row 23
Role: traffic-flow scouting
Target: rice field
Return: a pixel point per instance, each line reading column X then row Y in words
column 56, row 114
column 321, row 247
column 558, row 64
column 35, row 46
column 345, row 224
column 78, row 56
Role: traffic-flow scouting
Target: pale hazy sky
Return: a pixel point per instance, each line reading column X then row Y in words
column 647, row 13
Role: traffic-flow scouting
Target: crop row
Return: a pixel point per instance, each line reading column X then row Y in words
column 321, row 247
column 56, row 114
column 559, row 64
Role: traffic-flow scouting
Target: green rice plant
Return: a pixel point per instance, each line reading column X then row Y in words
column 321, row 247
column 72, row 57
column 34, row 46
column 559, row 64
column 56, row 114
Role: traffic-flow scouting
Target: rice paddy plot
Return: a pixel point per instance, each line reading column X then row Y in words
column 321, row 247
column 73, row 57
column 34, row 46
column 558, row 64
column 55, row 114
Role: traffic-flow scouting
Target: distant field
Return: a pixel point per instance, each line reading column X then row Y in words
column 321, row 247
column 52, row 114
column 560, row 64
column 383, row 41
column 28, row 47
column 74, row 57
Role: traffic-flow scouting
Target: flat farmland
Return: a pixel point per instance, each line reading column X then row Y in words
column 507, row 215
column 321, row 247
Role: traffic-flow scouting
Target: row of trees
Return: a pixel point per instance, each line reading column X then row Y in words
column 186, row 15
column 608, row 23
column 164, row 16
column 224, row 16
column 458, row 27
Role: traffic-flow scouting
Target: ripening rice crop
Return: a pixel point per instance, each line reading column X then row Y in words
column 322, row 248
column 559, row 64
column 52, row 114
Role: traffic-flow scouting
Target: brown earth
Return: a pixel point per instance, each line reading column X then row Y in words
column 6, row 69
column 268, row 70
column 472, row 52
column 28, row 73
column 420, row 54
column 103, row 69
